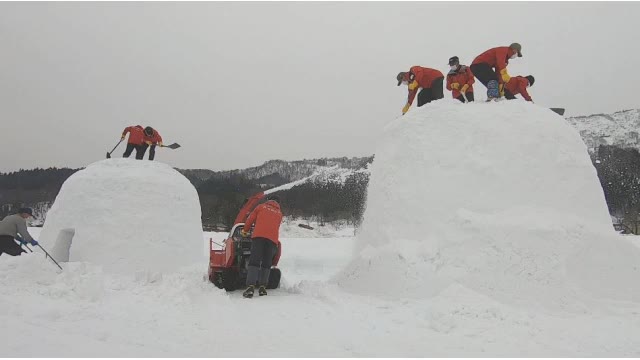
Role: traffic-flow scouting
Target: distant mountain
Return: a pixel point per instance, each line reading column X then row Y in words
column 621, row 129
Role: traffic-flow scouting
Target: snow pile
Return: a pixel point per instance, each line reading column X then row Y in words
column 501, row 198
column 127, row 216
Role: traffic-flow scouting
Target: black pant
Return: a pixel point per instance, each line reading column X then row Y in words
column 469, row 96
column 484, row 73
column 435, row 92
column 508, row 95
column 140, row 150
column 9, row 246
column 262, row 253
column 152, row 151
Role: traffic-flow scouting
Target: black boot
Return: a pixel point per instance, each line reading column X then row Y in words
column 262, row 291
column 249, row 292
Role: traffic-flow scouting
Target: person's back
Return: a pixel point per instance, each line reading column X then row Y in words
column 13, row 225
column 265, row 241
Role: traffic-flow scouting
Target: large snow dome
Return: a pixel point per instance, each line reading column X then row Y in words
column 126, row 215
column 499, row 197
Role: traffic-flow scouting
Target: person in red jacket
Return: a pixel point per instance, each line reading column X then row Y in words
column 264, row 243
column 460, row 80
column 247, row 206
column 490, row 68
column 151, row 139
column 518, row 85
column 430, row 80
column 136, row 140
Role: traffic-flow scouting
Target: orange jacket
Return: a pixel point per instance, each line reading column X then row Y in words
column 518, row 85
column 423, row 77
column 497, row 57
column 267, row 218
column 246, row 208
column 155, row 138
column 136, row 134
column 463, row 77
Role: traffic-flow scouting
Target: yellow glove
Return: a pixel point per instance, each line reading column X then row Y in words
column 244, row 233
column 464, row 88
column 501, row 89
column 122, row 138
column 455, row 86
column 148, row 143
column 160, row 144
column 405, row 109
column 505, row 76
column 413, row 85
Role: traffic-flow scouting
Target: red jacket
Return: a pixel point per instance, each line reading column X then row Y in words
column 423, row 76
column 518, row 85
column 497, row 57
column 463, row 77
column 267, row 218
column 136, row 134
column 155, row 138
column 246, row 208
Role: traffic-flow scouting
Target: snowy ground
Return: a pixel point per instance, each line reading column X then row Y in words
column 85, row 312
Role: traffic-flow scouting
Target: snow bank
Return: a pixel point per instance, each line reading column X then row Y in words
column 126, row 215
column 501, row 198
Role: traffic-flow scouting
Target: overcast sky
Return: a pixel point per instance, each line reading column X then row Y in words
column 240, row 83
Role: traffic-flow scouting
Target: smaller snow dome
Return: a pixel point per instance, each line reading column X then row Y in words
column 126, row 215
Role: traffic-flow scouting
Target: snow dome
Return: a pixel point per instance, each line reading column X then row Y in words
column 126, row 215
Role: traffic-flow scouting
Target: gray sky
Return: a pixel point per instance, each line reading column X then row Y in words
column 239, row 83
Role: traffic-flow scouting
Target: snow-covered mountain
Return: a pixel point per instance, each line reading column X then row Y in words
column 289, row 170
column 620, row 128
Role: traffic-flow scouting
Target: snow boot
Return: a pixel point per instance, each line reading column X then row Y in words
column 493, row 90
column 249, row 292
column 262, row 291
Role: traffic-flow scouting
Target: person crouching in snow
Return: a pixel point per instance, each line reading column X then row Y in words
column 136, row 140
column 152, row 139
column 264, row 243
column 460, row 80
column 518, row 85
column 14, row 227
column 429, row 80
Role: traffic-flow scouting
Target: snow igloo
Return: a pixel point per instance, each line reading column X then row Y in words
column 127, row 216
column 501, row 198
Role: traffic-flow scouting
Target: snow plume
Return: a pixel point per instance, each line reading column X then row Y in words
column 126, row 215
column 501, row 198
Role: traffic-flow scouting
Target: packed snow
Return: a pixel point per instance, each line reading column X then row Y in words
column 126, row 215
column 482, row 249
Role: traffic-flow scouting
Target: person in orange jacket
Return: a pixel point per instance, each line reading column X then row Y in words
column 429, row 80
column 490, row 68
column 136, row 140
column 264, row 243
column 518, row 85
column 152, row 139
column 460, row 81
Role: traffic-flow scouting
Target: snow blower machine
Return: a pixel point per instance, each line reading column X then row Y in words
column 228, row 267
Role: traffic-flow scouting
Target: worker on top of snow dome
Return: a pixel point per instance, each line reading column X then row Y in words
column 152, row 139
column 265, row 240
column 427, row 79
column 460, row 80
column 518, row 85
column 136, row 139
column 490, row 68
column 14, row 227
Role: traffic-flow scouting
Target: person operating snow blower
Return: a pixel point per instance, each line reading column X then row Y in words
column 267, row 218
